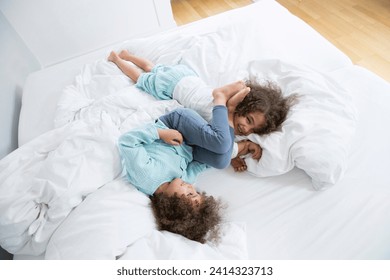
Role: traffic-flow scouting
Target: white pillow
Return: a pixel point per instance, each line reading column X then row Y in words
column 166, row 245
column 317, row 133
column 103, row 225
column 116, row 222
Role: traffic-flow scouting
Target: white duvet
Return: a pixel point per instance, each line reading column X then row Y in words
column 63, row 194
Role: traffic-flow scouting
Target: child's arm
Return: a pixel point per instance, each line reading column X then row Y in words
column 255, row 150
column 170, row 136
column 144, row 167
column 245, row 147
column 131, row 145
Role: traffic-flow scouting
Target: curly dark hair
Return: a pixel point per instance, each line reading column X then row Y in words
column 268, row 99
column 178, row 214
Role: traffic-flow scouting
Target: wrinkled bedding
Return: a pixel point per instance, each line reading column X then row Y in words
column 69, row 181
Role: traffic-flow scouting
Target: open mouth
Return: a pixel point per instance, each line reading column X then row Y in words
column 239, row 130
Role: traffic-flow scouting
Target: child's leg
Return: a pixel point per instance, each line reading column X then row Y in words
column 142, row 63
column 129, row 70
column 195, row 94
column 215, row 136
column 212, row 143
column 219, row 161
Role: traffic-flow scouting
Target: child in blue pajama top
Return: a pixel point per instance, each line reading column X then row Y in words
column 150, row 162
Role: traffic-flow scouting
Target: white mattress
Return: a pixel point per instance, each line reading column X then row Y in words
column 268, row 217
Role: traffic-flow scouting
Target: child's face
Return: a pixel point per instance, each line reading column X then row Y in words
column 182, row 188
column 245, row 125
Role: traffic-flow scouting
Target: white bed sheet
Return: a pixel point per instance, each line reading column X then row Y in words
column 282, row 216
column 287, row 220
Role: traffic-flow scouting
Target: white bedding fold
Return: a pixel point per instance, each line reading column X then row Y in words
column 74, row 192
column 45, row 179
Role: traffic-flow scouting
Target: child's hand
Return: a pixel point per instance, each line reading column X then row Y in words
column 242, row 148
column 245, row 147
column 255, row 150
column 238, row 164
column 170, row 136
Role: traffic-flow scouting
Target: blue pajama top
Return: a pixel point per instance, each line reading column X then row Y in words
column 150, row 162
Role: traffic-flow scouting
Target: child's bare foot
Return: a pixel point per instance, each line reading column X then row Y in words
column 223, row 94
column 238, row 164
column 125, row 54
column 232, row 103
column 140, row 62
column 113, row 57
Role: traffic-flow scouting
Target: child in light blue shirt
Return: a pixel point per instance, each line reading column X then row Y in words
column 150, row 162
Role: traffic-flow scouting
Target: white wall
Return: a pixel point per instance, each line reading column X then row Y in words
column 62, row 29
column 16, row 62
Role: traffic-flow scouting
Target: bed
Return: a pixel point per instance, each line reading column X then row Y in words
column 320, row 191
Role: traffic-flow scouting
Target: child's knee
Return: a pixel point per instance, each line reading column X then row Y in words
column 222, row 161
column 184, row 111
column 148, row 67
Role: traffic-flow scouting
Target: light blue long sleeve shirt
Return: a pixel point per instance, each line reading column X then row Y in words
column 150, row 162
